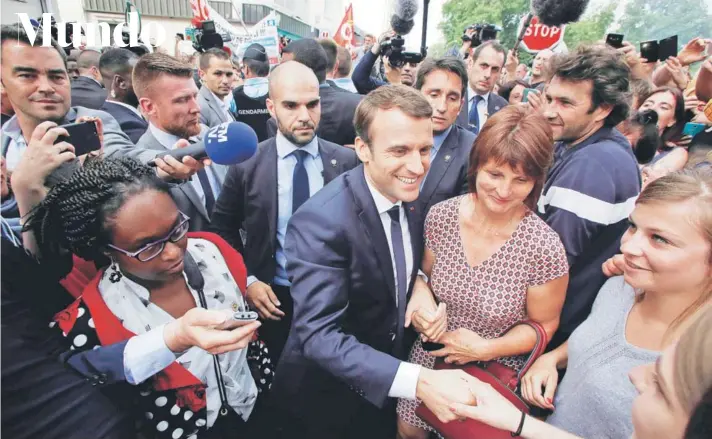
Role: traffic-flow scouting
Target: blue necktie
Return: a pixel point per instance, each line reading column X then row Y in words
column 401, row 275
column 300, row 181
column 474, row 115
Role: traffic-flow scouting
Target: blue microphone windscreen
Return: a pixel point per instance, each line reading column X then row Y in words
column 230, row 143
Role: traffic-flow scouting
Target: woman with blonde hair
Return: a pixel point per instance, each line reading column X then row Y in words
column 673, row 395
column 667, row 254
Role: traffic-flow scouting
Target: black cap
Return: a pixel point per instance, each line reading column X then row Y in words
column 257, row 52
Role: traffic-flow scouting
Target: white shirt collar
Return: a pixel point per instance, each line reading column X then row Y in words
column 383, row 204
column 134, row 109
column 472, row 93
column 285, row 147
column 222, row 101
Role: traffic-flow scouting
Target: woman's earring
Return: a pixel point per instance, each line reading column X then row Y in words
column 115, row 275
column 113, row 94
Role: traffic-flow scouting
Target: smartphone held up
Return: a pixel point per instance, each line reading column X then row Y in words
column 83, row 136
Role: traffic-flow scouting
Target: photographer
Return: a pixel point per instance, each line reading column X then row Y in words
column 366, row 83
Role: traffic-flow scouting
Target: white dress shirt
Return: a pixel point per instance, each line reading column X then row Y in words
column 481, row 106
column 405, row 382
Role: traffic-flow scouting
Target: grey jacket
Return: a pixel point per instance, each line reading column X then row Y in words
column 211, row 114
column 184, row 194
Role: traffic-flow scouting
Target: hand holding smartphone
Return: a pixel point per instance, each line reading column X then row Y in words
column 615, row 40
column 692, row 129
column 83, row 136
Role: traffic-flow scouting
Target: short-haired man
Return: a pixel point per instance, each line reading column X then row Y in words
column 353, row 252
column 337, row 106
column 342, row 72
column 540, row 68
column 169, row 100
column 88, row 90
column 485, row 66
column 36, row 83
column 116, row 65
column 216, row 73
column 251, row 97
column 443, row 82
column 592, row 186
column 261, row 194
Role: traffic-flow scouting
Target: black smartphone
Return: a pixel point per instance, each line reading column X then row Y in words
column 615, row 40
column 429, row 346
column 650, row 51
column 82, row 136
column 667, row 47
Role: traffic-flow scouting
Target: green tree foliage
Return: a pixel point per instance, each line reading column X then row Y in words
column 458, row 14
column 657, row 19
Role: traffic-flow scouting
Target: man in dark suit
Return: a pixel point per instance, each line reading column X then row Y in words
column 485, row 65
column 116, row 67
column 261, row 194
column 353, row 252
column 337, row 107
column 443, row 82
column 87, row 89
column 169, row 99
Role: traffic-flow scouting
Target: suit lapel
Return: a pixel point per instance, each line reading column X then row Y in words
column 492, row 105
column 212, row 103
column 331, row 165
column 416, row 237
column 439, row 166
column 463, row 119
column 266, row 169
column 187, row 187
column 373, row 226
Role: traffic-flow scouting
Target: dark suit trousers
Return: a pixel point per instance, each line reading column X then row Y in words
column 275, row 333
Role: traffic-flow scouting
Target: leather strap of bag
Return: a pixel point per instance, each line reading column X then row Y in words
column 539, row 347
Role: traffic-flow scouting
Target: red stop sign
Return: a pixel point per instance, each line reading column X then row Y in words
column 539, row 36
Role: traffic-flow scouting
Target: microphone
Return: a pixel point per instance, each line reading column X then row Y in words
column 558, row 12
column 402, row 19
column 229, row 143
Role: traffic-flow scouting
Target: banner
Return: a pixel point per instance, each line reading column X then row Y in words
column 269, row 42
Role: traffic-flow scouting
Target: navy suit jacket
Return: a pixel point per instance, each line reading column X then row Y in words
column 494, row 104
column 131, row 123
column 447, row 177
column 340, row 351
column 41, row 396
column 248, row 203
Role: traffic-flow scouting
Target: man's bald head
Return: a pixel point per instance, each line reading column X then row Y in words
column 294, row 101
column 288, row 75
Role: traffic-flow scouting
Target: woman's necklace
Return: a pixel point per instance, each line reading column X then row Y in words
column 496, row 232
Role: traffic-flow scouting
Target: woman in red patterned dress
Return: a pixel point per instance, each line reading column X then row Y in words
column 492, row 262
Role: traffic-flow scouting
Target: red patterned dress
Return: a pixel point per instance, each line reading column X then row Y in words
column 491, row 297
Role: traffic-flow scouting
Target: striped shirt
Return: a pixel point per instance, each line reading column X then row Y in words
column 589, row 193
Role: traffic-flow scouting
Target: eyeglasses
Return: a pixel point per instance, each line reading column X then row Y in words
column 153, row 249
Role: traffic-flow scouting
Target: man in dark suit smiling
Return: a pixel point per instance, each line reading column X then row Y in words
column 353, row 252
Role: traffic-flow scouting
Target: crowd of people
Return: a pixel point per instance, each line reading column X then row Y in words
column 395, row 225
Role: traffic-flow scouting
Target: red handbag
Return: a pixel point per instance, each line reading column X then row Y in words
column 502, row 378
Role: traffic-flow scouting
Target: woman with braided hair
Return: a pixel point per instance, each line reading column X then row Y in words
column 117, row 209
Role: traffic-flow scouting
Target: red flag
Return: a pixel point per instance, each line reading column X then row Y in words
column 344, row 35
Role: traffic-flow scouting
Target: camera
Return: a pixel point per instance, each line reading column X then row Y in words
column 483, row 32
column 394, row 50
column 207, row 37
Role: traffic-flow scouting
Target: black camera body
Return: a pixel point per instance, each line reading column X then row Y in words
column 207, row 37
column 394, row 50
column 483, row 33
